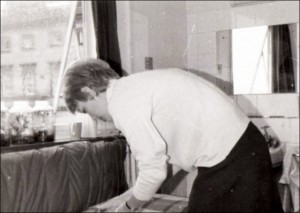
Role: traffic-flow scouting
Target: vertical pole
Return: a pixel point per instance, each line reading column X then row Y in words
column 64, row 56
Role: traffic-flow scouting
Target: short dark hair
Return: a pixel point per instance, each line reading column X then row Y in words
column 90, row 72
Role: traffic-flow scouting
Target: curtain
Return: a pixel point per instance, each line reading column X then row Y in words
column 63, row 178
column 105, row 21
column 282, row 61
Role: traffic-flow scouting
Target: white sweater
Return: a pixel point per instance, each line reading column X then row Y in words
column 174, row 116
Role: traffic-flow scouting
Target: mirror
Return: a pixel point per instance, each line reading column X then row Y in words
column 263, row 59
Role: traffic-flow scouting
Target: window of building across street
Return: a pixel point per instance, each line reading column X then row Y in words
column 33, row 36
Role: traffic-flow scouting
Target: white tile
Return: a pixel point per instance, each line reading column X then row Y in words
column 192, row 25
column 191, row 6
column 207, row 43
column 192, row 44
column 220, row 5
column 288, row 11
column 193, row 62
column 210, row 5
column 207, row 21
column 225, row 19
column 267, row 14
column 278, row 105
column 207, row 62
column 292, row 131
column 244, row 17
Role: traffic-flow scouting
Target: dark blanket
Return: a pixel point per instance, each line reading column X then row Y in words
column 63, row 178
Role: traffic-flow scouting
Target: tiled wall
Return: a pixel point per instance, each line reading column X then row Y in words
column 158, row 30
column 279, row 111
column 205, row 19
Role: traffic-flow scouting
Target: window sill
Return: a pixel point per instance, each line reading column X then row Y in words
column 38, row 145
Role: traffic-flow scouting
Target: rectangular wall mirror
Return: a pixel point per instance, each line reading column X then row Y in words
column 264, row 59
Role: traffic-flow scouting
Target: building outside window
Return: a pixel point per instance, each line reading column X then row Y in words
column 33, row 41
column 27, row 42
column 7, row 81
column 5, row 44
column 56, row 39
column 35, row 27
column 29, row 79
column 53, row 68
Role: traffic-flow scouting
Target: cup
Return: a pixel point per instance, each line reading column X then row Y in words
column 75, row 130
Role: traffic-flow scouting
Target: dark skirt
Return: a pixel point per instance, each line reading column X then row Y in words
column 243, row 182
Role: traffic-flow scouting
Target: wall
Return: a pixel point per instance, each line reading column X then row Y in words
column 206, row 18
column 158, row 30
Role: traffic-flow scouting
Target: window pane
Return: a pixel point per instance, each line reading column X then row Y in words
column 250, row 64
column 32, row 44
column 28, row 77
column 7, row 84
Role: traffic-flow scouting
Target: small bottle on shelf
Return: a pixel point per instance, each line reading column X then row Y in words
column 43, row 122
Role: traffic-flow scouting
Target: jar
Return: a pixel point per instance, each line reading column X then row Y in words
column 20, row 120
column 43, row 122
column 5, row 135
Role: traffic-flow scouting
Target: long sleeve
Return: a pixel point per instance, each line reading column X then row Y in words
column 149, row 149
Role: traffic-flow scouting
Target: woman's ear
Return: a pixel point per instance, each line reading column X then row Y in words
column 89, row 91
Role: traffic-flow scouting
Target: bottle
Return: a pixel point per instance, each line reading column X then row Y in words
column 5, row 135
column 20, row 121
column 43, row 122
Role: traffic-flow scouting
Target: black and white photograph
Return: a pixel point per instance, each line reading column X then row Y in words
column 150, row 106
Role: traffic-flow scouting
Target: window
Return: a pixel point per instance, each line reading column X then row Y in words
column 5, row 44
column 53, row 68
column 29, row 79
column 55, row 39
column 264, row 59
column 36, row 27
column 7, row 81
column 27, row 42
